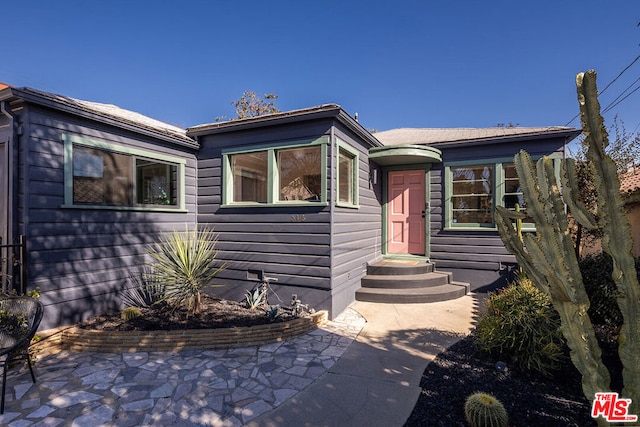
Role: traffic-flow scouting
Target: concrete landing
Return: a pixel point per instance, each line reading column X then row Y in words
column 376, row 382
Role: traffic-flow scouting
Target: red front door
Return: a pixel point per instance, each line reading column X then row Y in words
column 406, row 204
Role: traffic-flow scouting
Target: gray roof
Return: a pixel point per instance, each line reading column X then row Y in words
column 135, row 120
column 429, row 136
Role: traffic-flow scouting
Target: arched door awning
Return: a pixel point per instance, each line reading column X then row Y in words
column 405, row 155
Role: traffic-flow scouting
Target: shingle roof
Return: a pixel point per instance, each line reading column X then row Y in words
column 110, row 111
column 444, row 135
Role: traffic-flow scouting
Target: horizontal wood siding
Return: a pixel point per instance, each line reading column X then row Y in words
column 82, row 258
column 479, row 251
column 356, row 232
column 290, row 243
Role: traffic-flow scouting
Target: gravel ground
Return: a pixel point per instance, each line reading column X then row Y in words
column 530, row 399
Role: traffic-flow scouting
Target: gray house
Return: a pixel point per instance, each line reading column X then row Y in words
column 88, row 186
column 307, row 197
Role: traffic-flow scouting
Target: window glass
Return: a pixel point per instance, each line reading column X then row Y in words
column 346, row 182
column 108, row 178
column 250, row 177
column 472, row 198
column 300, row 174
column 102, row 177
column 513, row 191
column 155, row 183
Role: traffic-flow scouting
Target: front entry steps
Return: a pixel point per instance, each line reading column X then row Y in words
column 406, row 282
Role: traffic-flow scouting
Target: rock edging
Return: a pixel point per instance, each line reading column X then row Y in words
column 76, row 339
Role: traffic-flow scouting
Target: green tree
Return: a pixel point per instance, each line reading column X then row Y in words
column 251, row 105
column 624, row 149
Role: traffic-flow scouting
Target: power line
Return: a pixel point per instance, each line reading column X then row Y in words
column 606, row 110
column 608, row 85
column 619, row 75
column 615, row 101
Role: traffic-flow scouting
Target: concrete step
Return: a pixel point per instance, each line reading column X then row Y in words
column 412, row 295
column 406, row 281
column 396, row 268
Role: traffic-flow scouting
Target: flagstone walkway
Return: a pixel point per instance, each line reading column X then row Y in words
column 187, row 388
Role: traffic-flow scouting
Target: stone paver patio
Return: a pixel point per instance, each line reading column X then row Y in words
column 193, row 387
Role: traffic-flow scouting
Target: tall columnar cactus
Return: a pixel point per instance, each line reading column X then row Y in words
column 617, row 235
column 549, row 260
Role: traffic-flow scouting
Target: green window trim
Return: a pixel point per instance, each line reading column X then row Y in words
column 137, row 154
column 353, row 180
column 497, row 191
column 273, row 174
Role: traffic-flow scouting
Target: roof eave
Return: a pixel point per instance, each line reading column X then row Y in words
column 92, row 115
column 235, row 125
column 321, row 112
column 567, row 134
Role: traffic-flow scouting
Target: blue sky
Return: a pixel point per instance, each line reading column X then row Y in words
column 466, row 63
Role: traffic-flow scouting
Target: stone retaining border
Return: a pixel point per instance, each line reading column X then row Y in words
column 76, row 339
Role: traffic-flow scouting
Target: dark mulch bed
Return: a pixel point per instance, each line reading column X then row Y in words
column 530, row 399
column 215, row 313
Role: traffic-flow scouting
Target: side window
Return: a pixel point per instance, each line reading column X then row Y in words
column 101, row 174
column 347, row 176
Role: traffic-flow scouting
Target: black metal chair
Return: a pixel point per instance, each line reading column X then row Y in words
column 19, row 321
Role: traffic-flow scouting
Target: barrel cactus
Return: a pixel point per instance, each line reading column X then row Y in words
column 484, row 410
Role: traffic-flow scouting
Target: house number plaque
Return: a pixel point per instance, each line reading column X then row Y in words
column 298, row 218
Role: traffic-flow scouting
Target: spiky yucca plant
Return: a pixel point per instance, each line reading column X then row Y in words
column 183, row 265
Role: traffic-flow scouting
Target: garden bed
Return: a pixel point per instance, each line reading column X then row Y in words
column 219, row 324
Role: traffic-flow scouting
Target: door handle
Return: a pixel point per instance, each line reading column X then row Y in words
column 424, row 214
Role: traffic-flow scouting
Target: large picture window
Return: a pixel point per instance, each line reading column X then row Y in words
column 103, row 175
column 473, row 190
column 288, row 174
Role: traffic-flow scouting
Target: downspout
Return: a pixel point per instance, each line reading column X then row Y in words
column 9, row 165
column 7, row 231
column 332, row 162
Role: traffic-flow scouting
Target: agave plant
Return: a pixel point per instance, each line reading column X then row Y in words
column 255, row 298
column 183, row 265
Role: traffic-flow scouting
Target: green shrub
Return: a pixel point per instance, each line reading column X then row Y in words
column 484, row 410
column 183, row 265
column 596, row 272
column 521, row 326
